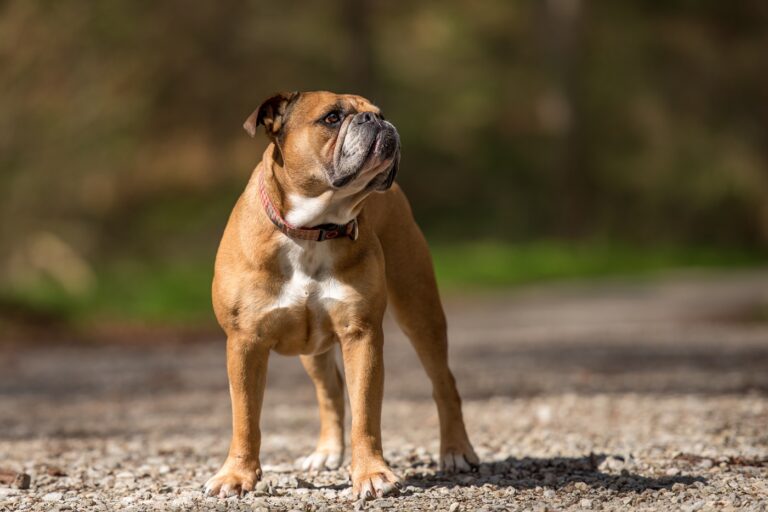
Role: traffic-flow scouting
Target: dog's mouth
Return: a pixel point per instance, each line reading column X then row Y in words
column 386, row 143
column 374, row 163
column 387, row 149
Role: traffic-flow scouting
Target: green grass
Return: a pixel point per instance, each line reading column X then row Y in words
column 175, row 294
column 494, row 265
column 179, row 293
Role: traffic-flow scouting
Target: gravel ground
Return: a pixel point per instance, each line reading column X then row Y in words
column 641, row 396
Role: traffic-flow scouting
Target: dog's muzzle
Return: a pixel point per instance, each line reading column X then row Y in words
column 367, row 142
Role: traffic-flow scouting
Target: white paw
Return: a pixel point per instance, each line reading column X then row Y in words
column 455, row 462
column 321, row 460
column 232, row 480
column 375, row 485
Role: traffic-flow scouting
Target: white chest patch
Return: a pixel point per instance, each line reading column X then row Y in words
column 311, row 281
column 305, row 210
column 332, row 206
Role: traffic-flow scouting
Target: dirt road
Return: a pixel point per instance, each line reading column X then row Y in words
column 625, row 395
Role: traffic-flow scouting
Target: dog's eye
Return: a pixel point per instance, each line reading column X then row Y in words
column 332, row 118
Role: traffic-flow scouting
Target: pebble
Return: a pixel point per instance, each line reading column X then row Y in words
column 53, row 496
column 527, row 465
column 612, row 464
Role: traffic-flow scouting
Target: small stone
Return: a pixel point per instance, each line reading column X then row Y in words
column 585, row 503
column 549, row 494
column 581, row 486
column 360, row 504
column 612, row 464
column 694, row 507
column 304, row 484
column 184, row 503
column 454, row 507
column 262, row 487
column 22, row 481
column 55, row 471
column 673, row 472
column 53, row 496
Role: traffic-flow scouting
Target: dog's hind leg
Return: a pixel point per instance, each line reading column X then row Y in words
column 415, row 302
column 323, row 370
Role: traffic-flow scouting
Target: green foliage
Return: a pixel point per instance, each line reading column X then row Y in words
column 179, row 293
column 641, row 123
column 494, row 264
column 175, row 294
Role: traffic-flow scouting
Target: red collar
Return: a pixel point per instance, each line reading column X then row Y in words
column 316, row 234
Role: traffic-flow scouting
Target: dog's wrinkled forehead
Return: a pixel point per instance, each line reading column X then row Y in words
column 283, row 111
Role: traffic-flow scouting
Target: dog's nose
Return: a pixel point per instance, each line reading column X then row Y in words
column 364, row 117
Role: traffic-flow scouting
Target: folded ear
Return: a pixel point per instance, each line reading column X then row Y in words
column 271, row 113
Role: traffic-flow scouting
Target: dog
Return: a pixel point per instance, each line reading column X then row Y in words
column 319, row 243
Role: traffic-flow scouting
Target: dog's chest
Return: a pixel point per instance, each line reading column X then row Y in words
column 308, row 293
column 308, row 277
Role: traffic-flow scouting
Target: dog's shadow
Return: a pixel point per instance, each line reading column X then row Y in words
column 552, row 473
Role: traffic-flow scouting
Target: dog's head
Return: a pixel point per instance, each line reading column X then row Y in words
column 327, row 140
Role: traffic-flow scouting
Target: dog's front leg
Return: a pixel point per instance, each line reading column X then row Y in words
column 362, row 350
column 247, row 371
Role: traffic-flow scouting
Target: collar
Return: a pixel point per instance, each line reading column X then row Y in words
column 317, row 234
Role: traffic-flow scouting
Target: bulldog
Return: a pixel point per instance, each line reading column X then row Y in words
column 319, row 243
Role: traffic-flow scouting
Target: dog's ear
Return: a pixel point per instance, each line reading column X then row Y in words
column 271, row 114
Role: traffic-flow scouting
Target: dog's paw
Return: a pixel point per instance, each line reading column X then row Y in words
column 459, row 461
column 375, row 485
column 233, row 479
column 322, row 459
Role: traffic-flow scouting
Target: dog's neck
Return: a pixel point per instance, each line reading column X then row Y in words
column 328, row 207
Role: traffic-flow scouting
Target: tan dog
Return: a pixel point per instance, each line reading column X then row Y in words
column 283, row 283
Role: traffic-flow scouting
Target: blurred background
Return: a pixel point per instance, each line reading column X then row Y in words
column 541, row 140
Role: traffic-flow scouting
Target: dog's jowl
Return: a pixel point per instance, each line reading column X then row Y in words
column 320, row 241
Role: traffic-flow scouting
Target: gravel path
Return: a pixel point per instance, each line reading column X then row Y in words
column 620, row 396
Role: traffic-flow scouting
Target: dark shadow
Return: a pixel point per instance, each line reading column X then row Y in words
column 552, row 473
